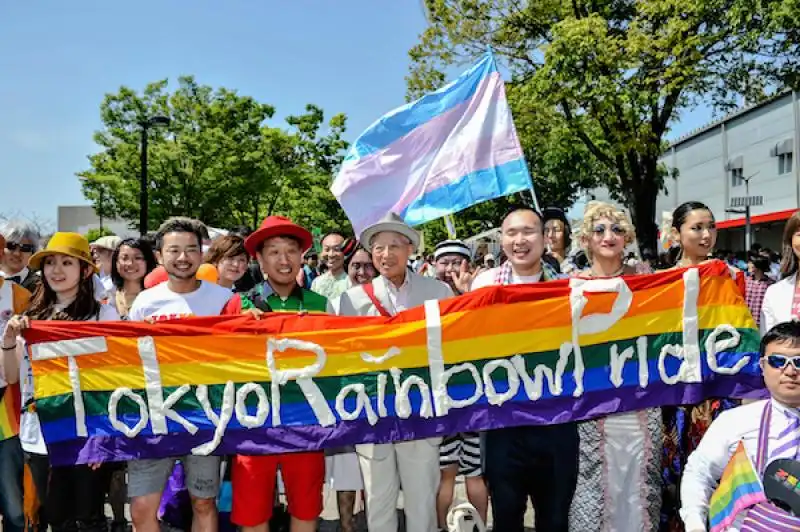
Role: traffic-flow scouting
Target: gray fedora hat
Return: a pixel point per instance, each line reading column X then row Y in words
column 391, row 222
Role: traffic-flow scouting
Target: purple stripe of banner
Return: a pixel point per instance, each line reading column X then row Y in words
column 474, row 418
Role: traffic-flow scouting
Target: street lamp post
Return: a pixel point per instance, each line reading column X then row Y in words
column 747, row 201
column 144, row 184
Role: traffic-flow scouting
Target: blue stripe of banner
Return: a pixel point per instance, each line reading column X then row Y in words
column 476, row 187
column 403, row 120
column 595, row 379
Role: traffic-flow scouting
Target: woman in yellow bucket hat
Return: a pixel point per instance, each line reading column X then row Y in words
column 73, row 497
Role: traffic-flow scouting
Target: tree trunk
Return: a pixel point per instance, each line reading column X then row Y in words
column 642, row 204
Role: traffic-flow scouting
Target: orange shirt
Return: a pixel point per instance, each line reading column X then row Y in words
column 10, row 404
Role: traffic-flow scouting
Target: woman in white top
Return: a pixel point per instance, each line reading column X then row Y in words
column 72, row 496
column 619, row 467
column 782, row 300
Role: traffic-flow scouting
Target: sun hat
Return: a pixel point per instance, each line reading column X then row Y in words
column 107, row 242
column 71, row 244
column 391, row 222
column 273, row 226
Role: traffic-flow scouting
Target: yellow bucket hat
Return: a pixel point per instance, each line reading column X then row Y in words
column 71, row 244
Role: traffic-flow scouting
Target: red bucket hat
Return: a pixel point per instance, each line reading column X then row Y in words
column 277, row 226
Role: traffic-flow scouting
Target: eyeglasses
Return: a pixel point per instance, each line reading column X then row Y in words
column 781, row 361
column 362, row 266
column 24, row 248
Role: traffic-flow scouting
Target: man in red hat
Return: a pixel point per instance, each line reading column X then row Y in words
column 278, row 245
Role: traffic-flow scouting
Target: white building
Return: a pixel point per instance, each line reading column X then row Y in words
column 82, row 218
column 759, row 144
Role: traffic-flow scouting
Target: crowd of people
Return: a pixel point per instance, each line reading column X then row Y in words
column 647, row 470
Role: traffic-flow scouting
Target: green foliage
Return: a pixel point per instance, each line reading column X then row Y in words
column 218, row 160
column 596, row 85
column 93, row 234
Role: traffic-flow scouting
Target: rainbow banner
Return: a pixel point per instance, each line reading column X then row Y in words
column 739, row 489
column 503, row 356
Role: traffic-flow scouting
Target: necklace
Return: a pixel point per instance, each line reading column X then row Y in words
column 615, row 274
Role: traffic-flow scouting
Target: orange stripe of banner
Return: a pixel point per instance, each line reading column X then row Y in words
column 654, row 292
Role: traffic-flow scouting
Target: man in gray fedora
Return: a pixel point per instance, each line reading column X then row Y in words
column 412, row 465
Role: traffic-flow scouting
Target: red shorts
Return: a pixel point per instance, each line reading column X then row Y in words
column 253, row 480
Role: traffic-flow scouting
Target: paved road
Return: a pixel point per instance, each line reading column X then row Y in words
column 329, row 519
column 330, row 514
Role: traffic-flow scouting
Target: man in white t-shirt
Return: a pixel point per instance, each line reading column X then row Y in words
column 536, row 462
column 179, row 247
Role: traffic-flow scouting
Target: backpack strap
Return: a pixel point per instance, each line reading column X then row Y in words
column 370, row 291
column 256, row 295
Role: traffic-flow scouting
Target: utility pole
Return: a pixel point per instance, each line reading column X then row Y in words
column 742, row 205
column 144, row 184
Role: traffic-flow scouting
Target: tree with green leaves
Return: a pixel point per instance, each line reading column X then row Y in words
column 597, row 84
column 217, row 160
column 93, row 234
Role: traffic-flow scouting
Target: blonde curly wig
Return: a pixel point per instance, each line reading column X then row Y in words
column 596, row 210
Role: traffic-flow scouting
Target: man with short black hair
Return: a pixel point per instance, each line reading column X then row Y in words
column 309, row 270
column 528, row 462
column 756, row 285
column 334, row 282
column 278, row 245
column 179, row 249
column 766, row 430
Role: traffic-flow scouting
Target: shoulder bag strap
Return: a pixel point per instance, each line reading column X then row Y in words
column 370, row 291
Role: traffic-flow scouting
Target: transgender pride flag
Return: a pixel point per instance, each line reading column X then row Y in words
column 448, row 150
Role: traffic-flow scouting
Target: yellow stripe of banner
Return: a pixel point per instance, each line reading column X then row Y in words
column 455, row 351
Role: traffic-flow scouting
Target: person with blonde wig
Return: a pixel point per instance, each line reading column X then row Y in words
column 619, row 467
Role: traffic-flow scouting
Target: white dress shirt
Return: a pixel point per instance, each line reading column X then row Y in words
column 22, row 274
column 777, row 305
column 398, row 297
column 706, row 464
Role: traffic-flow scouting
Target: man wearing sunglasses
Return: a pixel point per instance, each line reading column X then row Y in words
column 21, row 241
column 776, row 418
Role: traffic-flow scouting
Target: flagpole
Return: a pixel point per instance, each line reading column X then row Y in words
column 450, row 225
column 535, row 201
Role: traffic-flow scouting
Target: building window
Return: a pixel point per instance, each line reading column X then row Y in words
column 737, row 177
column 785, row 163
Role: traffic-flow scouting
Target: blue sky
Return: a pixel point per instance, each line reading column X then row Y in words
column 58, row 59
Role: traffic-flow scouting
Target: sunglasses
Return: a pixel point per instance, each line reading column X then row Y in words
column 601, row 230
column 781, row 361
column 24, row 248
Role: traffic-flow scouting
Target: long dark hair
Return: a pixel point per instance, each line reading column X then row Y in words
column 85, row 307
column 789, row 260
column 679, row 216
column 683, row 210
column 147, row 252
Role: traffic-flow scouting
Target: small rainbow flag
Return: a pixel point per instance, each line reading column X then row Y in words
column 739, row 489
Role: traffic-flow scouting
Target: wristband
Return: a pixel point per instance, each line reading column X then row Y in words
column 9, row 348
